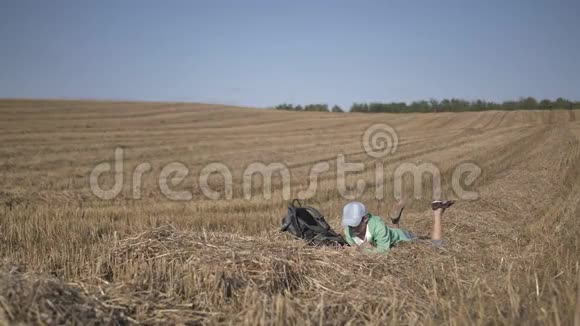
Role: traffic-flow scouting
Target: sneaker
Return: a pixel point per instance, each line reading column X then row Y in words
column 437, row 204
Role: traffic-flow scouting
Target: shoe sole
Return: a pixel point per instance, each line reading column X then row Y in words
column 437, row 204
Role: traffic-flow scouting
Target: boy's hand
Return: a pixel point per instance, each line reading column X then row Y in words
column 365, row 246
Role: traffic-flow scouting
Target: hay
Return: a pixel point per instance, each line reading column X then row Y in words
column 33, row 299
column 164, row 268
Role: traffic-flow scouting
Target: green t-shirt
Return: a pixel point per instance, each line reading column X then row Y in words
column 382, row 238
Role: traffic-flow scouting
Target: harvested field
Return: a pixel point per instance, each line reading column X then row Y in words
column 512, row 256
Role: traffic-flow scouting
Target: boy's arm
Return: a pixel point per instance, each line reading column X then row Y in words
column 347, row 237
column 381, row 236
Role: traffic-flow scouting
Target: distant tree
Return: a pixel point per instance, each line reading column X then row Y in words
column 359, row 107
column 284, row 106
column 479, row 105
column 561, row 103
column 337, row 108
column 434, row 105
column 528, row 103
column 419, row 106
column 545, row 104
column 509, row 105
column 458, row 105
column 298, row 108
column 316, row 107
column 444, row 105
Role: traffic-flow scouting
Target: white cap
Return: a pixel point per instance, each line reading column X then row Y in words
column 352, row 213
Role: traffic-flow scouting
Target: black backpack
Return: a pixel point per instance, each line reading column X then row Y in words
column 307, row 223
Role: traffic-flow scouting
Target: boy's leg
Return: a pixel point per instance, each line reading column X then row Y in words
column 438, row 208
column 436, row 233
column 396, row 213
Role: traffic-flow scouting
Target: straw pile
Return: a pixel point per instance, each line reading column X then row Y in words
column 32, row 299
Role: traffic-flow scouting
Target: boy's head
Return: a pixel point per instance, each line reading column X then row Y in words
column 354, row 214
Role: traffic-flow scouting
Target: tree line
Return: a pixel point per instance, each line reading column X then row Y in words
column 309, row 107
column 445, row 105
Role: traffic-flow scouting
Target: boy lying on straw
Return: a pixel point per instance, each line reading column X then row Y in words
column 369, row 232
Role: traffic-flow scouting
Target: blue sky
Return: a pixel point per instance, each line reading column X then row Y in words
column 262, row 53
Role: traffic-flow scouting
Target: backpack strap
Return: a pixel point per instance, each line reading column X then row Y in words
column 289, row 218
column 292, row 218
